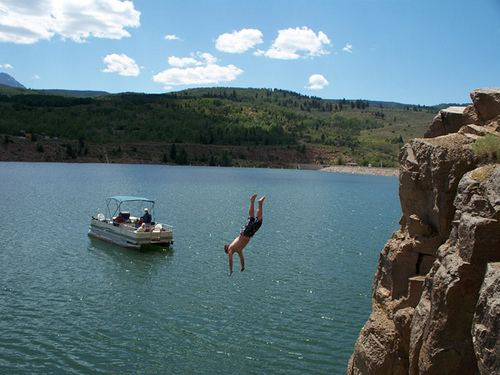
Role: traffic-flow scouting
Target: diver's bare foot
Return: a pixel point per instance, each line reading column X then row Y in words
column 252, row 198
column 262, row 199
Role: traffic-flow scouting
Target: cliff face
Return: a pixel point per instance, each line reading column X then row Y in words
column 436, row 293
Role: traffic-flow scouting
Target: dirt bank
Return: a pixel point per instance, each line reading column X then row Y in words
column 362, row 170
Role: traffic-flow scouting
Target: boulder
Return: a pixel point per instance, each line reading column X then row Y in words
column 494, row 124
column 476, row 130
column 486, row 102
column 448, row 120
column 471, row 116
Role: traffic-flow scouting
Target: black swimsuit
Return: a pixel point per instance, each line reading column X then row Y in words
column 251, row 227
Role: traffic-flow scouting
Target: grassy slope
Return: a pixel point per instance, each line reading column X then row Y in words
column 250, row 119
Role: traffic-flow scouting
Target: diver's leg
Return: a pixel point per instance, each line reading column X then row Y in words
column 259, row 209
column 251, row 212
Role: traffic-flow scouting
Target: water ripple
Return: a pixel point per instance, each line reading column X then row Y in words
column 77, row 306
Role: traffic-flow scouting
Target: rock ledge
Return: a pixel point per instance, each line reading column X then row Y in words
column 436, row 292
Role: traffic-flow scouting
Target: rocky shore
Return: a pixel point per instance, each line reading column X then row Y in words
column 41, row 149
column 436, row 292
column 362, row 170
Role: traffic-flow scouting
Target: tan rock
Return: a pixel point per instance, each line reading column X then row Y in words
column 402, row 324
column 378, row 349
column 477, row 232
column 425, row 293
column 397, row 263
column 429, row 174
column 441, row 342
column 417, row 227
column 448, row 120
column 486, row 102
column 471, row 116
column 494, row 124
column 440, row 333
column 476, row 130
column 415, row 288
column 486, row 324
column 427, row 245
column 424, row 264
column 420, row 323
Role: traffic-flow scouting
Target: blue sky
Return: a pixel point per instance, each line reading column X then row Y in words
column 420, row 52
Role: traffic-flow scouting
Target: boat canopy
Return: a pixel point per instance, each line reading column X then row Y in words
column 119, row 199
column 129, row 198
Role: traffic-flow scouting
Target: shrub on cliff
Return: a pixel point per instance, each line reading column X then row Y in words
column 487, row 147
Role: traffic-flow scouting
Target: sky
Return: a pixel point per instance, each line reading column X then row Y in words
column 410, row 51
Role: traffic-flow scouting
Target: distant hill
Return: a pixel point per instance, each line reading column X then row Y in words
column 251, row 93
column 8, row 80
column 239, row 121
column 74, row 93
column 10, row 90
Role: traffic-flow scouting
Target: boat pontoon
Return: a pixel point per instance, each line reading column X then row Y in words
column 125, row 230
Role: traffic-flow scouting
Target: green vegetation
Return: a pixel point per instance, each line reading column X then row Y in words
column 359, row 130
column 487, row 148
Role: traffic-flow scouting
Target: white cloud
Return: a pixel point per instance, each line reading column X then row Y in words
column 6, row 66
column 317, row 82
column 171, row 37
column 181, row 62
column 200, row 68
column 209, row 59
column 28, row 21
column 347, row 48
column 197, row 75
column 194, row 60
column 292, row 44
column 238, row 41
column 36, row 76
column 121, row 64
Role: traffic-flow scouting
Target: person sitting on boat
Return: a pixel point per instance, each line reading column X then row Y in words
column 139, row 223
column 251, row 227
column 146, row 218
column 119, row 219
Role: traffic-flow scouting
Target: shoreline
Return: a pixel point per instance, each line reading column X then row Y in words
column 314, row 157
column 374, row 171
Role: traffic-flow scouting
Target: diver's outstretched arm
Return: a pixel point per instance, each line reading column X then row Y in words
column 242, row 261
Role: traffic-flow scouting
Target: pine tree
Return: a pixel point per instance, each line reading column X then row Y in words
column 173, row 152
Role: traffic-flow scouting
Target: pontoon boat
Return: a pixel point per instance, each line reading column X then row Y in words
column 129, row 231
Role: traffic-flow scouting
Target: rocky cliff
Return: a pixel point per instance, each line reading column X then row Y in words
column 436, row 293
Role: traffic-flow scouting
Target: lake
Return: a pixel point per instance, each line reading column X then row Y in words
column 72, row 305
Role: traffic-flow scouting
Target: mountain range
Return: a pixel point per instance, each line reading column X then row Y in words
column 8, row 80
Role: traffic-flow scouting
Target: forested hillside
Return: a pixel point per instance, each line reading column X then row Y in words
column 252, row 119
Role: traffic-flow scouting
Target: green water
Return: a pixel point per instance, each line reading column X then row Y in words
column 72, row 305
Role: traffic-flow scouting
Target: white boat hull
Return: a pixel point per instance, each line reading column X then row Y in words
column 126, row 236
